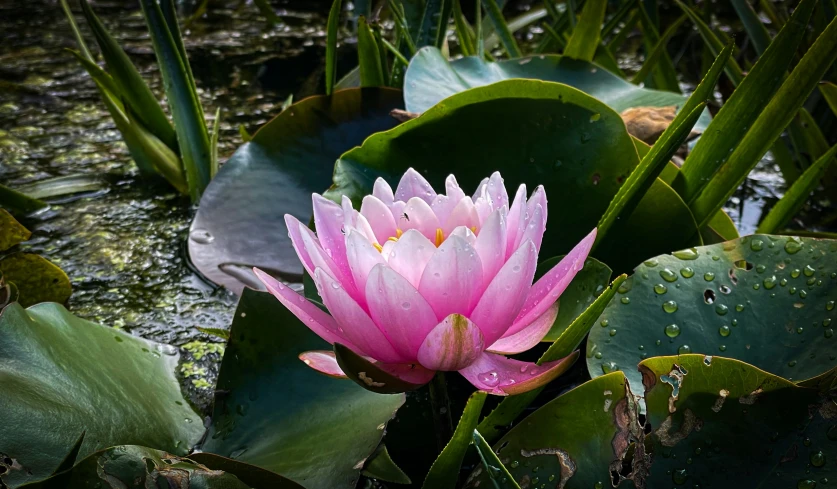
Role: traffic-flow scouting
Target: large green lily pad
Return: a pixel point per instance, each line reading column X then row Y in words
column 431, row 78
column 709, row 422
column 62, row 376
column 275, row 412
column 240, row 222
column 533, row 132
column 765, row 300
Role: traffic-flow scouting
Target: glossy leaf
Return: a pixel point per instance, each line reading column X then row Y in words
column 255, row 477
column 552, row 134
column 715, row 45
column 63, row 376
column 274, row 174
column 444, row 473
column 743, row 108
column 275, row 412
column 797, row 194
column 369, row 58
column 752, row 25
column 331, row 45
column 381, row 466
column 587, row 33
column 11, row 231
column 432, row 78
column 770, row 123
column 766, row 300
column 497, row 473
column 36, row 278
column 829, row 93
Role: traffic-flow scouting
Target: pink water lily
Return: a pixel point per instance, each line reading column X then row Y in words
column 420, row 282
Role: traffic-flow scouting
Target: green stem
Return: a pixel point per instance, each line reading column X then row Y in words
column 440, row 405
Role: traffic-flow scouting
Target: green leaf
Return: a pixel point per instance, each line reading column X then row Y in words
column 656, row 52
column 497, row 473
column 18, row 202
column 752, row 25
column 501, row 28
column 382, row 467
column 82, row 45
column 331, row 45
column 587, row 33
column 275, row 412
column 616, row 19
column 36, row 278
column 512, row 407
column 517, row 23
column 829, row 93
column 63, row 376
column 766, row 300
column 734, row 426
column 796, row 196
column 665, row 76
column 560, row 135
column 587, row 285
column 573, row 441
column 255, row 477
column 267, row 11
column 742, row 109
column 434, row 23
column 71, row 457
column 444, row 473
column 139, row 467
column 715, row 45
column 369, row 58
column 464, row 32
column 274, row 174
column 432, row 78
column 131, row 85
column 60, row 186
column 192, row 135
column 11, row 231
column 770, row 123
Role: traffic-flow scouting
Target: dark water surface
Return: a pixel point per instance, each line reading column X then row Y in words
column 123, row 245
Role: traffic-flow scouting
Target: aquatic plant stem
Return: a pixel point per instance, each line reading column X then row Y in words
column 440, row 405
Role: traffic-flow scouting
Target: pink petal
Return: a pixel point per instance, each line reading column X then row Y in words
column 496, row 190
column 419, row 216
column 408, row 372
column 362, row 258
column 356, row 220
column 295, row 231
column 399, row 310
column 320, row 259
column 535, row 227
column 452, row 278
column 312, row 316
column 538, row 198
column 502, row 300
column 547, row 290
column 480, row 192
column 383, row 191
column 527, row 337
column 442, row 206
column 412, row 184
column 410, row 254
column 503, row 376
column 516, row 220
column 491, row 245
column 453, row 344
column 464, row 214
column 353, row 322
column 379, row 217
column 483, row 207
column 453, row 190
column 323, row 361
column 464, row 233
column 328, row 219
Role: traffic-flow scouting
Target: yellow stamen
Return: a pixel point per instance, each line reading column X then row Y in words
column 378, row 247
column 440, row 237
column 474, row 229
column 393, row 239
column 398, row 233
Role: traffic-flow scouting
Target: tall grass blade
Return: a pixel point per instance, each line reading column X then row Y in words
column 752, row 24
column 772, row 121
column 444, row 473
column 829, row 93
column 587, row 33
column 497, row 472
column 619, row 39
column 464, row 32
column 796, row 196
column 213, row 143
column 76, row 32
column 665, row 76
column 657, row 52
column 369, row 58
column 618, row 17
column 742, row 108
column 192, row 134
column 502, row 29
column 331, row 46
column 715, row 45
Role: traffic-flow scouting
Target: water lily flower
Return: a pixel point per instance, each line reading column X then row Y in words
column 419, row 282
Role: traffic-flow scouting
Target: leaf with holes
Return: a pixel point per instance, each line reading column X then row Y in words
column 766, row 300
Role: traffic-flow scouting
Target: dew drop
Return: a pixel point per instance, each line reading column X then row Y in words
column 817, row 458
column 625, row 300
column 405, row 305
column 516, row 268
column 612, row 332
column 668, row 275
column 684, row 350
column 709, row 276
column 490, row 379
column 687, row 272
column 687, row 254
column 770, row 282
column 808, row 271
column 829, row 305
column 669, row 306
column 756, row 245
column 672, row 331
column 660, row 289
column 795, row 273
column 724, row 331
column 721, row 310
column 793, row 245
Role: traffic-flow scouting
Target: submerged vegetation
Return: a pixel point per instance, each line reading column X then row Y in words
column 709, row 358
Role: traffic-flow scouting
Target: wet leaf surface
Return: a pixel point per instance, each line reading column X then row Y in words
column 36, row 278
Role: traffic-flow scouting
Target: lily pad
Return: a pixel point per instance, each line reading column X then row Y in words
column 533, row 132
column 135, row 467
column 766, row 300
column 36, row 278
column 240, row 222
column 588, row 284
column 431, row 77
column 11, row 231
column 718, row 422
column 275, row 412
column 63, row 376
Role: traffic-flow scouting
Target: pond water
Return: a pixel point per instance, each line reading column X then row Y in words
column 123, row 244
